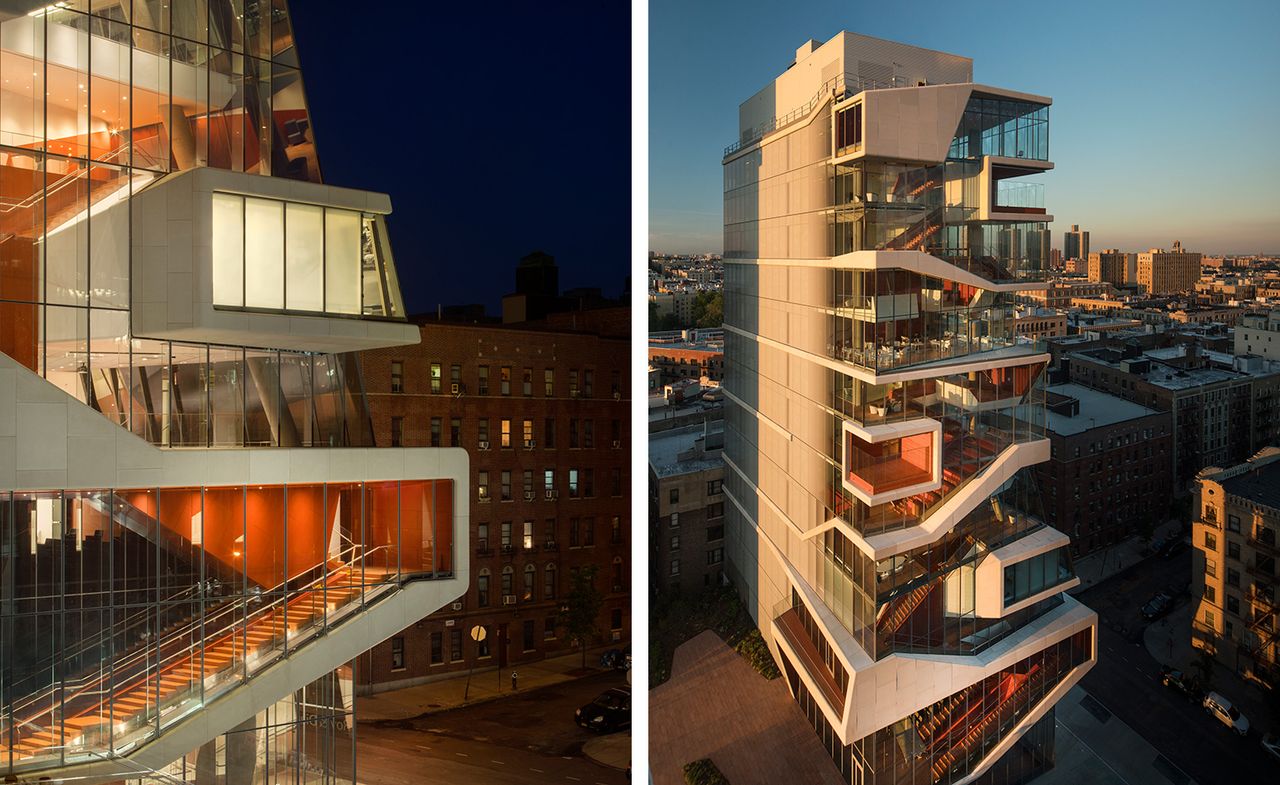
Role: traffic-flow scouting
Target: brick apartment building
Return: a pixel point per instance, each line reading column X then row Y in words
column 1236, row 534
column 686, row 506
column 543, row 411
column 1224, row 408
column 1109, row 465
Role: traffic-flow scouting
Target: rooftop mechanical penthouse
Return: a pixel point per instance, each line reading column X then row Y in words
column 882, row 210
column 197, row 535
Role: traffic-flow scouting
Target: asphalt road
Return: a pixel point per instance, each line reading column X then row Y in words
column 527, row 738
column 1126, row 681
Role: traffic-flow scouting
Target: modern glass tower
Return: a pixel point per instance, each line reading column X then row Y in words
column 884, row 524
column 197, row 535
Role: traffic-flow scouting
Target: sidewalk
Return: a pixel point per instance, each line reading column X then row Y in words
column 452, row 692
column 1097, row 567
column 1095, row 748
column 1169, row 641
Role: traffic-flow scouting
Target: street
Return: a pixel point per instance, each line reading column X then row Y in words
column 1126, row 682
column 527, row 738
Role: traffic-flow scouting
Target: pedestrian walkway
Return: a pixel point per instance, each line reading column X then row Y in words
column 715, row 706
column 1169, row 641
column 485, row 685
column 613, row 750
column 1113, row 560
column 1095, row 748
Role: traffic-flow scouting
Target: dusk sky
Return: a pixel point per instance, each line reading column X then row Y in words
column 496, row 132
column 1165, row 122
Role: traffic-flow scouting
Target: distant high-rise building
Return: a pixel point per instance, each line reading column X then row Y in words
column 1168, row 272
column 538, row 275
column 1114, row 267
column 1075, row 244
column 882, row 520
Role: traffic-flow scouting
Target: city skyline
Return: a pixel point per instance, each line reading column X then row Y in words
column 1117, row 120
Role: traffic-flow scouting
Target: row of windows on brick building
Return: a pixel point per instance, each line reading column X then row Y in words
column 483, row 648
column 582, row 534
column 579, row 483
column 529, row 585
column 582, row 433
column 457, row 386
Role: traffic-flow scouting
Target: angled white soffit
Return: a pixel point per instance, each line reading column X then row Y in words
column 945, row 518
column 902, row 684
column 883, row 691
column 914, row 261
column 171, row 267
column 50, row 440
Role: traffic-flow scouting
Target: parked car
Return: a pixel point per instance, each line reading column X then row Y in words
column 1228, row 715
column 1158, row 606
column 1180, row 682
column 1174, row 546
column 1271, row 745
column 617, row 659
column 609, row 712
column 1154, row 547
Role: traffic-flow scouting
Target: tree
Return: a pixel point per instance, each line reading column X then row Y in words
column 712, row 311
column 582, row 609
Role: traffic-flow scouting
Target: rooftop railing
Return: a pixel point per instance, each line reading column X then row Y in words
column 840, row 86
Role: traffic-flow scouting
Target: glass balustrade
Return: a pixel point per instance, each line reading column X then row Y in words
column 122, row 611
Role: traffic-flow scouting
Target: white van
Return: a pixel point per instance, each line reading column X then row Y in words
column 1227, row 714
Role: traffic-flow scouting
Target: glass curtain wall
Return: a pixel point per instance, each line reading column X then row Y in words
column 98, row 99
column 121, row 612
column 982, row 413
column 923, row 599
column 889, row 319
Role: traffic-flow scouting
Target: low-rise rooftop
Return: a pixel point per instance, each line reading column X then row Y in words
column 669, row 451
column 1097, row 409
column 1262, row 485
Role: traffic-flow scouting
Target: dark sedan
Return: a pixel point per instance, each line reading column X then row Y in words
column 1181, row 682
column 1159, row 605
column 609, row 712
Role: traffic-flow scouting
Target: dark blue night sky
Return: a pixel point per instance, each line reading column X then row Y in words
column 497, row 129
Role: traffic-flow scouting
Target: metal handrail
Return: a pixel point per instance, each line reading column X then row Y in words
column 841, row 85
column 133, row 659
column 31, row 201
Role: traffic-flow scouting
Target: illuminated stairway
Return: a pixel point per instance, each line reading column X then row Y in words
column 247, row 634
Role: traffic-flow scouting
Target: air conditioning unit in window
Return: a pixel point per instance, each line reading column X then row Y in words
column 484, row 445
column 551, row 494
column 455, row 388
column 616, row 444
column 529, row 444
column 616, row 636
column 573, row 393
column 508, row 599
column 529, row 496
column 457, row 606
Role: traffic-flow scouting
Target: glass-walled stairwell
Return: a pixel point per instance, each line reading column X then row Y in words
column 122, row 611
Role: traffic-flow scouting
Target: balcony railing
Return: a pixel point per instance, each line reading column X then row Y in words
column 1019, row 197
column 840, row 86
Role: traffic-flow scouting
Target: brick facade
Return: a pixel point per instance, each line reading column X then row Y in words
column 484, row 387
